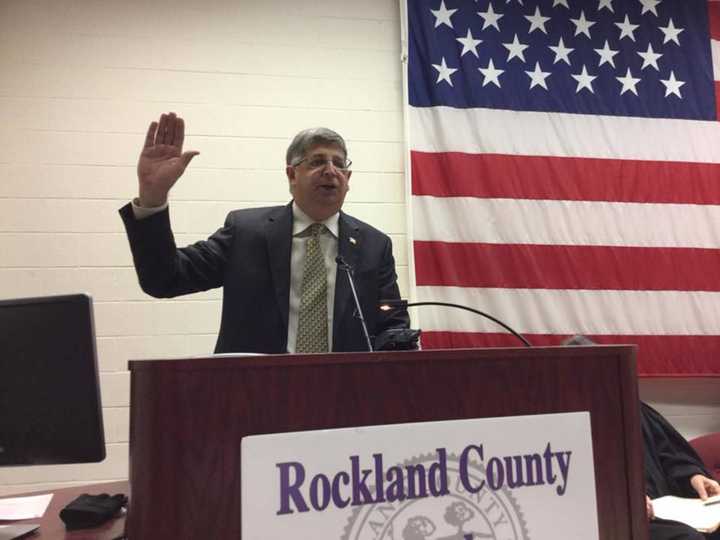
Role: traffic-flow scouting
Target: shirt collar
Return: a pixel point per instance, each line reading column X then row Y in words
column 302, row 221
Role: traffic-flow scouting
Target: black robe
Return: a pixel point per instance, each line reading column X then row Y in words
column 670, row 462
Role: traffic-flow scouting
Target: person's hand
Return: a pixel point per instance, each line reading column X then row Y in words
column 649, row 508
column 704, row 486
column 162, row 160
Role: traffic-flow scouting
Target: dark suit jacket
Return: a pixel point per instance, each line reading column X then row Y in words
column 250, row 258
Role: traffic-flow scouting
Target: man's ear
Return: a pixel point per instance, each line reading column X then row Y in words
column 290, row 173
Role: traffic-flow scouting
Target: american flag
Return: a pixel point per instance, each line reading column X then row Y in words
column 565, row 169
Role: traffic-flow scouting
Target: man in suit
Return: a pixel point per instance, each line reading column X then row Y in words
column 277, row 265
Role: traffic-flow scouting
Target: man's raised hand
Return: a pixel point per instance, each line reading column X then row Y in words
column 162, row 160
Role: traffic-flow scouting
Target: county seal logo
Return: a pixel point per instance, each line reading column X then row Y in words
column 460, row 515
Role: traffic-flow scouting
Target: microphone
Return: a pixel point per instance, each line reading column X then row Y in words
column 342, row 265
column 387, row 305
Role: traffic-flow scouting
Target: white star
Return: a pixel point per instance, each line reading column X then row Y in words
column 442, row 15
column 627, row 29
column 491, row 74
column 444, row 72
column 560, row 3
column 537, row 21
column 649, row 5
column 606, row 4
column 628, row 83
column 538, row 76
column 650, row 58
column 606, row 55
column 561, row 52
column 584, row 80
column 672, row 85
column 515, row 49
column 582, row 25
column 469, row 44
column 518, row 1
column 490, row 18
column 671, row 33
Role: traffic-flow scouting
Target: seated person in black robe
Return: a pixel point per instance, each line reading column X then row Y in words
column 672, row 467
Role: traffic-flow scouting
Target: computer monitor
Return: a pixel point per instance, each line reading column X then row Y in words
column 50, row 408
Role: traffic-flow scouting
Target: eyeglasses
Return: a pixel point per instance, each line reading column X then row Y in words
column 316, row 162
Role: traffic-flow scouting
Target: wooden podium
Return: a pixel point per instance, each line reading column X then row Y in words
column 188, row 416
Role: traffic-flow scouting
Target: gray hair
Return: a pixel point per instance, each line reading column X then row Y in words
column 308, row 138
column 578, row 339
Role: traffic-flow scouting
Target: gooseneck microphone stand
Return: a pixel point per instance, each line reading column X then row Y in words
column 387, row 305
column 348, row 269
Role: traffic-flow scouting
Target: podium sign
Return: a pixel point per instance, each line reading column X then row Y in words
column 514, row 478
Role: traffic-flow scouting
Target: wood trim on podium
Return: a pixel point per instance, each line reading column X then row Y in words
column 188, row 417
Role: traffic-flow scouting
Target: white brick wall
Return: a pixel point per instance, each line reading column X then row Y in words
column 79, row 82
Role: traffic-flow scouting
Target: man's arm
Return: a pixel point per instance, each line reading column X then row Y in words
column 162, row 269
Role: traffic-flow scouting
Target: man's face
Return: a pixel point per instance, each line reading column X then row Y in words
column 319, row 190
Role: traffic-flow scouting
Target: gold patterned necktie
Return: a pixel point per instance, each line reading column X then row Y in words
column 312, row 332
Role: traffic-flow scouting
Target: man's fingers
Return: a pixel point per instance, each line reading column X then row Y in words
column 170, row 131
column 150, row 136
column 187, row 157
column 179, row 133
column 160, row 137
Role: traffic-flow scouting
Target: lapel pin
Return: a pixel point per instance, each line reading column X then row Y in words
column 352, row 240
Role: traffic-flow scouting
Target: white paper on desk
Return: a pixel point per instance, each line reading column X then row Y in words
column 24, row 507
column 10, row 532
column 693, row 512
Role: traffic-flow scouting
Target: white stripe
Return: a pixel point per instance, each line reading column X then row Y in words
column 522, row 221
column 715, row 50
column 548, row 311
column 473, row 131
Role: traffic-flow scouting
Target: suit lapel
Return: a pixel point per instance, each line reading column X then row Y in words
column 349, row 246
column 279, row 243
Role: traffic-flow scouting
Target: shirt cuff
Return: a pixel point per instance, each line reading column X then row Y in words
column 140, row 212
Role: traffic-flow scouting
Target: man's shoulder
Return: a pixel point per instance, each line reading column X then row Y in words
column 259, row 215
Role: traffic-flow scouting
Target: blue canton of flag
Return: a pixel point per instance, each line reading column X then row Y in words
column 642, row 58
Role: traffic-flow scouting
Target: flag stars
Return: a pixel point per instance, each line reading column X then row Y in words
column 582, row 25
column 442, row 15
column 672, row 85
column 671, row 33
column 650, row 58
column 491, row 74
column 562, row 53
column 444, row 72
column 649, row 5
column 560, row 3
column 515, row 49
column 606, row 55
column 627, row 29
column 538, row 76
column 629, row 83
column 606, row 4
column 490, row 18
column 469, row 44
column 537, row 21
column 584, row 80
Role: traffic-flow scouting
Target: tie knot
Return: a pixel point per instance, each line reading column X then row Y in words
column 315, row 229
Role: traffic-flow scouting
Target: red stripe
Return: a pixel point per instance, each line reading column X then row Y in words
column 565, row 267
column 685, row 356
column 455, row 174
column 714, row 19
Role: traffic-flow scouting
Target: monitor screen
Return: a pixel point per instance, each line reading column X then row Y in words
column 50, row 409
